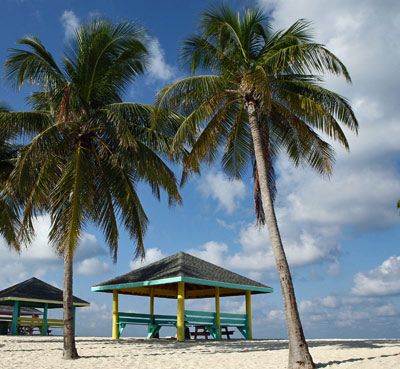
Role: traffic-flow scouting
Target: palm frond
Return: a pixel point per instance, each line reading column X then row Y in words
column 34, row 66
column 14, row 124
column 9, row 221
column 71, row 194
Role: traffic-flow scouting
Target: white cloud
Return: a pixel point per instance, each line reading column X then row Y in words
column 386, row 310
column 213, row 252
column 365, row 184
column 363, row 198
column 225, row 224
column 70, row 23
column 39, row 258
column 276, row 315
column 158, row 68
column 152, row 255
column 301, row 246
column 94, row 320
column 92, row 266
column 329, row 301
column 88, row 247
column 226, row 192
column 347, row 312
column 381, row 281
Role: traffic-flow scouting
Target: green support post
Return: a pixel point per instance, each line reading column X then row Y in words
column 74, row 317
column 45, row 326
column 217, row 314
column 14, row 325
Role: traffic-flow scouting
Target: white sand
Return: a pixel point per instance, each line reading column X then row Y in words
column 99, row 353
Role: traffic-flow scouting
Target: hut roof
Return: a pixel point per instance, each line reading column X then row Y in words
column 35, row 293
column 183, row 267
column 8, row 310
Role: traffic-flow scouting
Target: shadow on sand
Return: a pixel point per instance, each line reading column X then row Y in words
column 169, row 346
column 324, row 365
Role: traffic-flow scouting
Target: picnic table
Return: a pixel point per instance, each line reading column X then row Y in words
column 201, row 331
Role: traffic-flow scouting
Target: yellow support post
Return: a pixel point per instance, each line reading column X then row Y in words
column 217, row 313
column 180, row 321
column 248, row 316
column 152, row 301
column 115, row 326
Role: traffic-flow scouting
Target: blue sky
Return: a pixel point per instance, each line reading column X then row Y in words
column 341, row 235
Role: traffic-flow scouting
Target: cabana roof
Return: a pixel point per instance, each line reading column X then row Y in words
column 36, row 293
column 8, row 310
column 198, row 275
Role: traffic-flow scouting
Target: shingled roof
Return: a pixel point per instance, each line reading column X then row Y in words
column 186, row 268
column 36, row 293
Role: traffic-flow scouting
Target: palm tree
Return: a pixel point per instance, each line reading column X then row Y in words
column 92, row 148
column 260, row 94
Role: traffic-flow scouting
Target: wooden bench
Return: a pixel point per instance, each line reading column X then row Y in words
column 28, row 325
column 238, row 321
column 154, row 323
column 203, row 322
column 207, row 322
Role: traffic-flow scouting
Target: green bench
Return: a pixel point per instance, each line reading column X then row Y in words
column 209, row 321
column 193, row 318
column 238, row 321
column 154, row 323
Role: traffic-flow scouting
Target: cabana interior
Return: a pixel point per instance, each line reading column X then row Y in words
column 32, row 294
column 181, row 277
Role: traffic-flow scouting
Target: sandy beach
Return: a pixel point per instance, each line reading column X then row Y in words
column 98, row 353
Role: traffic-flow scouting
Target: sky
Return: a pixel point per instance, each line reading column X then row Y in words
column 341, row 235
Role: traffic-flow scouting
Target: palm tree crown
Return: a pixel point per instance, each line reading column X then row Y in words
column 280, row 71
column 89, row 148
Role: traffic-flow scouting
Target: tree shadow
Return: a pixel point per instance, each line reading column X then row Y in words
column 170, row 345
column 332, row 362
column 353, row 343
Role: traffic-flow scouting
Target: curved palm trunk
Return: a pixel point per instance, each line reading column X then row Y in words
column 70, row 351
column 299, row 355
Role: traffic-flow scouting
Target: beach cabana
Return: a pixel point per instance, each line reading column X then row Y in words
column 181, row 277
column 36, row 294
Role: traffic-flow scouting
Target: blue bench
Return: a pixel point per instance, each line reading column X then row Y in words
column 193, row 318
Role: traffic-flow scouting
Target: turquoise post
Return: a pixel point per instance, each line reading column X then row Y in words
column 14, row 324
column 45, row 326
column 217, row 314
column 74, row 317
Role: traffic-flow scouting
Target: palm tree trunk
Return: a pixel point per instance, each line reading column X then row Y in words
column 299, row 355
column 70, row 351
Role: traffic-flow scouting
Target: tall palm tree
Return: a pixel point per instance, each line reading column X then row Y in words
column 92, row 148
column 260, row 94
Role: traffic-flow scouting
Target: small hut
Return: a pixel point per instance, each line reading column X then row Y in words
column 34, row 294
column 183, row 276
